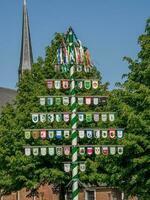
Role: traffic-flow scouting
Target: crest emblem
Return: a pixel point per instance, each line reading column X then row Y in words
column 66, row 117
column 35, row 118
column 67, row 151
column 80, row 101
column 58, row 101
column 97, row 150
column 42, row 101
column 111, row 117
column 65, row 84
column 88, row 117
column 50, row 101
column 81, row 134
column 51, row 134
column 67, row 167
column 35, row 151
column 27, row 135
column 104, row 117
column 112, row 150
column 89, row 150
column 87, row 84
column 96, row 117
column 82, row 151
column 97, row 133
column 50, row 117
column 82, row 167
column 35, row 135
column 120, row 150
column 66, row 134
column 65, row 101
column 59, row 151
column 105, row 151
column 27, row 151
column 89, row 134
column 51, row 151
column 95, row 84
column 49, row 84
column 104, row 134
column 58, row 117
column 43, row 151
column 43, row 134
column 120, row 133
column 42, row 118
column 57, row 84
column 88, row 100
column 112, row 133
column 95, row 101
column 59, row 134
column 81, row 117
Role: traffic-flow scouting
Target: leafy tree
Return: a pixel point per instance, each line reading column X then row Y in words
column 17, row 170
column 132, row 101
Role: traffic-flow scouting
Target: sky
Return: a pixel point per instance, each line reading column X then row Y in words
column 109, row 28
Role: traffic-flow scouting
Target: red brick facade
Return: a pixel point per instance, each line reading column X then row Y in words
column 46, row 193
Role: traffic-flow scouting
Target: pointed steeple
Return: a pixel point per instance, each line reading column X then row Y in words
column 26, row 57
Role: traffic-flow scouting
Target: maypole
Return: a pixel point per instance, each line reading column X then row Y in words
column 73, row 123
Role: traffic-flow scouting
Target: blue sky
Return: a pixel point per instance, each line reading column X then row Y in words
column 109, row 28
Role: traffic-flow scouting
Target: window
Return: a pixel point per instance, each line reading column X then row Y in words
column 90, row 195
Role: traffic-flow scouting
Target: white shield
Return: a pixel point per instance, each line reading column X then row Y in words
column 97, row 133
column 65, row 101
column 50, row 117
column 35, row 118
column 89, row 134
column 104, row 134
column 97, row 150
column 120, row 150
column 66, row 134
column 66, row 117
column 27, row 151
column 95, row 101
column 81, row 134
column 67, row 167
column 80, row 84
column 50, row 101
column 51, row 151
column 112, row 150
column 43, row 151
column 42, row 118
column 104, row 117
column 80, row 101
column 82, row 167
column 95, row 84
column 42, row 101
column 111, row 117
column 35, row 151
column 58, row 117
column 88, row 100
column 96, row 117
column 81, row 117
column 57, row 84
column 51, row 134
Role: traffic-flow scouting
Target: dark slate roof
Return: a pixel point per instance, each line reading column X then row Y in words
column 6, row 96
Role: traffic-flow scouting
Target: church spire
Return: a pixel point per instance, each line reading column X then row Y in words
column 26, row 57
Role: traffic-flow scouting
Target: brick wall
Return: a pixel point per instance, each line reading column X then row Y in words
column 46, row 193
